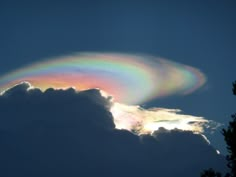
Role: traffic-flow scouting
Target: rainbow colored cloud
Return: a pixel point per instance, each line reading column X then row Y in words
column 130, row 79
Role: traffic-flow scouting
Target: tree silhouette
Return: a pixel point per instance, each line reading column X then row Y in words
column 230, row 139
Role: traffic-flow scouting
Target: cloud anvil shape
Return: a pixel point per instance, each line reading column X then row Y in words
column 67, row 133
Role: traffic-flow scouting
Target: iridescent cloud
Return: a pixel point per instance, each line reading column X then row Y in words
column 130, row 79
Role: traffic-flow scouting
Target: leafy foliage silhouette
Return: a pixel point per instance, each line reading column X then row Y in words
column 230, row 139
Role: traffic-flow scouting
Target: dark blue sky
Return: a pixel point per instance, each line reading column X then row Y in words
column 197, row 33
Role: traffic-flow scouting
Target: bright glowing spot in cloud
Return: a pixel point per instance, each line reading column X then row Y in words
column 142, row 121
column 130, row 79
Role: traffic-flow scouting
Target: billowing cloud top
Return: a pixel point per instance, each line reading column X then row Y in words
column 67, row 133
column 131, row 79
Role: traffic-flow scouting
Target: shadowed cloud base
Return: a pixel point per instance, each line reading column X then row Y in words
column 68, row 133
